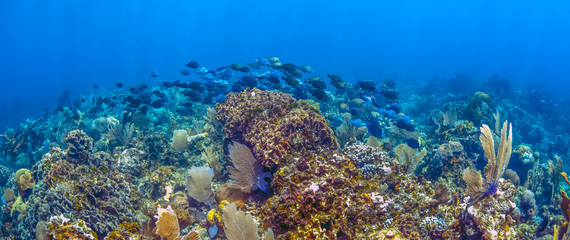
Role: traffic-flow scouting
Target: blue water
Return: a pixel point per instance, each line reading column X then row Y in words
column 47, row 46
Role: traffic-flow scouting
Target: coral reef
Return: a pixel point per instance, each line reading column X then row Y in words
column 160, row 162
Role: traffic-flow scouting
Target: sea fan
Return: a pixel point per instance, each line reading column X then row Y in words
column 247, row 171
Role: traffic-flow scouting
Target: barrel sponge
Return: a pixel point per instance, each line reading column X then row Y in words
column 24, row 180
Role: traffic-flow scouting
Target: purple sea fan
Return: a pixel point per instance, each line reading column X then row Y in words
column 247, row 171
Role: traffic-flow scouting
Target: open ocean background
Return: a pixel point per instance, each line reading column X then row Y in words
column 47, row 46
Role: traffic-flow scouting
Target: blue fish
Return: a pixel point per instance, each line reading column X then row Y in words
column 367, row 85
column 157, row 104
column 249, row 80
column 220, row 98
column 358, row 122
column 336, row 122
column 163, row 99
column 168, row 84
column 388, row 113
column 405, row 123
column 153, row 74
column 375, row 129
column 225, row 74
column 208, row 76
column 378, row 100
column 185, row 71
column 192, row 64
column 396, row 107
column 413, row 143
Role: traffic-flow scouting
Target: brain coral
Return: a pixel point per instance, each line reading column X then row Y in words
column 24, row 180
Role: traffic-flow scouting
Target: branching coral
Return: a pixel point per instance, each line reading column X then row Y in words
column 213, row 158
column 97, row 193
column 554, row 171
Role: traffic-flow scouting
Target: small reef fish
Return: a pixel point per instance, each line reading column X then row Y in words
column 413, row 143
column 193, row 64
column 375, row 129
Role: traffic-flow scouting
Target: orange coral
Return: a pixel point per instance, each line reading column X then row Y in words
column 565, row 206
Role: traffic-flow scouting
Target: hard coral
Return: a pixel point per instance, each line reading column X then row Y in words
column 99, row 194
column 126, row 230
column 275, row 124
column 79, row 146
column 5, row 174
column 320, row 202
column 491, row 216
column 60, row 227
column 24, row 180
